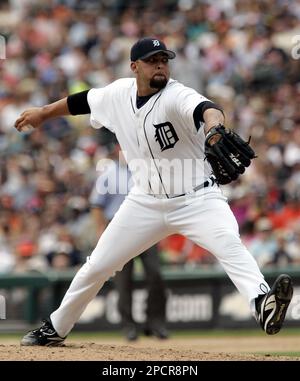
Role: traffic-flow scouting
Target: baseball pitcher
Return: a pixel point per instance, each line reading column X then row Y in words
column 179, row 152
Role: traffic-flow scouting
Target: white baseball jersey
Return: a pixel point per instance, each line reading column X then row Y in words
column 163, row 147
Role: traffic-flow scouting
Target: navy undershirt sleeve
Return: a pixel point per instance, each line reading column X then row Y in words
column 78, row 103
column 199, row 111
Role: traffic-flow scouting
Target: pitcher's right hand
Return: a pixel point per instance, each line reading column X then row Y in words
column 30, row 119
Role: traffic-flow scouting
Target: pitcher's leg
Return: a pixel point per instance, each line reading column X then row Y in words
column 212, row 225
column 128, row 234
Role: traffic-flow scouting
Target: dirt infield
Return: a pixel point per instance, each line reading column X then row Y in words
column 179, row 349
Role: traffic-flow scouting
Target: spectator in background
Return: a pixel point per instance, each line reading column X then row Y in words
column 293, row 245
column 263, row 246
column 288, row 215
column 64, row 257
column 178, row 250
column 7, row 261
column 235, row 51
column 27, row 258
column 271, row 71
column 106, row 198
column 64, row 254
column 281, row 255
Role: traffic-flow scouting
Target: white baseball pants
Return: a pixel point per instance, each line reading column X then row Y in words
column 142, row 220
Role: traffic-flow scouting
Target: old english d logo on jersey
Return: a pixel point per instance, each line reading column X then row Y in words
column 165, row 135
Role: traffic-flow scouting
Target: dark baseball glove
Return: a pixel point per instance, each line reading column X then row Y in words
column 227, row 153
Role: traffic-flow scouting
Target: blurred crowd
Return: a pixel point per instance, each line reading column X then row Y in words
column 236, row 52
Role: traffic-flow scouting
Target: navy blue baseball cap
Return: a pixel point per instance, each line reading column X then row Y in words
column 146, row 47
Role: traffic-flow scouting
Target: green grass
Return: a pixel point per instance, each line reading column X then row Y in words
column 237, row 332
column 286, row 332
column 196, row 333
column 174, row 334
column 287, row 354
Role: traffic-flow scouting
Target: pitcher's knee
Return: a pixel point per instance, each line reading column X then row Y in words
column 100, row 270
column 228, row 242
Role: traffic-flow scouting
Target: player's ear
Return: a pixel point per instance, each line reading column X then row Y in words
column 133, row 67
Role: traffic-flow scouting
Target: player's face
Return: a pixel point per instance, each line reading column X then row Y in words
column 153, row 71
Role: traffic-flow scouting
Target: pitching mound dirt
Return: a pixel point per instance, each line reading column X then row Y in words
column 198, row 349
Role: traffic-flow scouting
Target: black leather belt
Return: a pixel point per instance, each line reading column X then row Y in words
column 209, row 182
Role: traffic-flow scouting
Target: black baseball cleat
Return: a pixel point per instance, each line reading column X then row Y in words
column 271, row 308
column 43, row 336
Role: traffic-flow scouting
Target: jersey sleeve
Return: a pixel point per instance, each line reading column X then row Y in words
column 99, row 101
column 185, row 100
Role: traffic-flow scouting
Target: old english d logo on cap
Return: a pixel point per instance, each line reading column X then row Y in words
column 146, row 47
